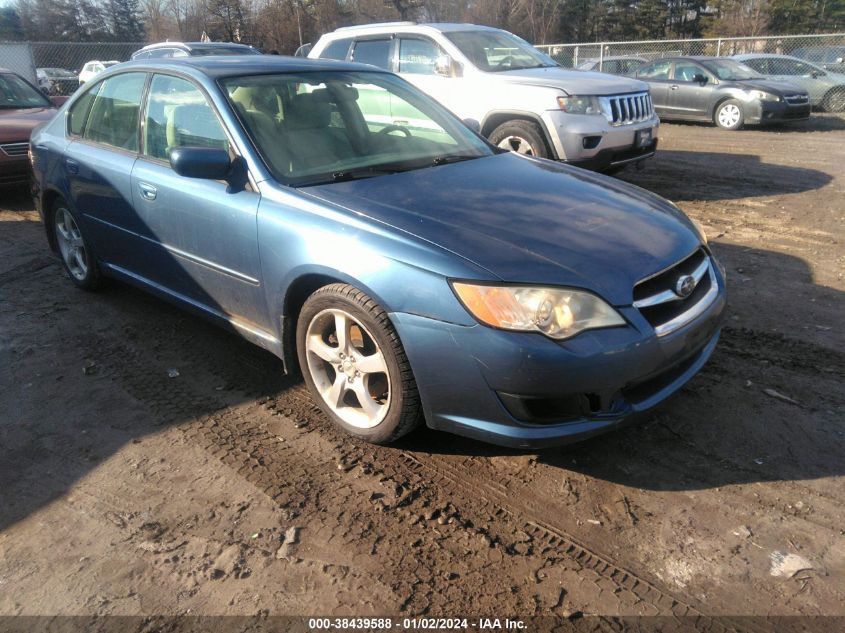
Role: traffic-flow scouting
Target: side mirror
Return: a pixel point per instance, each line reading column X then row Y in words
column 699, row 78
column 201, row 162
column 446, row 67
column 474, row 125
column 814, row 74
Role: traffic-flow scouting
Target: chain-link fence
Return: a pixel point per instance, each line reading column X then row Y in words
column 58, row 67
column 826, row 51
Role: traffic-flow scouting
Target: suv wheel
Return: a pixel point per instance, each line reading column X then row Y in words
column 522, row 137
column 77, row 258
column 355, row 366
column 729, row 115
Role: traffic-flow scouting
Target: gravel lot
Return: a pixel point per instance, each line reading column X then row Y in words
column 224, row 490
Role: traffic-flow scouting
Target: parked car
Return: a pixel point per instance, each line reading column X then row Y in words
column 57, row 81
column 94, row 67
column 826, row 88
column 828, row 57
column 192, row 49
column 721, row 90
column 22, row 107
column 413, row 271
column 615, row 65
column 521, row 98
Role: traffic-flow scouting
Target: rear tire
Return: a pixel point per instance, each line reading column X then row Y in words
column 74, row 249
column 834, row 100
column 355, row 366
column 729, row 115
column 521, row 137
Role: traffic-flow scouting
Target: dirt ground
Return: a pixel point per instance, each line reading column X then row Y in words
column 128, row 489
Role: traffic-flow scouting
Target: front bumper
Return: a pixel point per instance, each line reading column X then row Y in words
column 762, row 112
column 468, row 376
column 587, row 140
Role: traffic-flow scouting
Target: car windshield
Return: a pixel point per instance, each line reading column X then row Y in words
column 319, row 127
column 730, row 70
column 497, row 51
column 16, row 93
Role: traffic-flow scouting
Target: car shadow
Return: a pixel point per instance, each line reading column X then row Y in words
column 739, row 176
column 716, row 431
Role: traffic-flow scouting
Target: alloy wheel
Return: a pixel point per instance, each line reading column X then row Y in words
column 71, row 245
column 516, row 144
column 348, row 368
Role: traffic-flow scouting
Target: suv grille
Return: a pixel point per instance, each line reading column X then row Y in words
column 15, row 149
column 674, row 297
column 627, row 109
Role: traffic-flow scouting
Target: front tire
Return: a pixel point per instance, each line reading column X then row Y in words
column 729, row 115
column 354, row 364
column 74, row 250
column 522, row 137
column 834, row 100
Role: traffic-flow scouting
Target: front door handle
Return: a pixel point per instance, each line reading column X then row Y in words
column 72, row 166
column 148, row 192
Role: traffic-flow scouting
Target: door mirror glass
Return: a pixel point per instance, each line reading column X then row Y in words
column 201, row 162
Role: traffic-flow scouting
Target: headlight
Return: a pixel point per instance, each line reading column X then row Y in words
column 556, row 312
column 762, row 95
column 579, row 105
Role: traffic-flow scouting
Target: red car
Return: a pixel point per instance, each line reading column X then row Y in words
column 22, row 107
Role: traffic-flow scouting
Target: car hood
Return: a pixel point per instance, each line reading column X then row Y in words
column 16, row 125
column 770, row 85
column 575, row 82
column 528, row 220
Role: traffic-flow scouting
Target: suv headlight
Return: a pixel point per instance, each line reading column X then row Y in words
column 579, row 105
column 762, row 95
column 558, row 313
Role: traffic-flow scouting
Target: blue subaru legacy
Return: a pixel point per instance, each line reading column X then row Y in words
column 334, row 215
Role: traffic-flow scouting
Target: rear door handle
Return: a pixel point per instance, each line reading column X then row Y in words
column 148, row 192
column 675, row 87
column 72, row 166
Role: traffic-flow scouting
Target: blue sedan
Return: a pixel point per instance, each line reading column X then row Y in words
column 334, row 215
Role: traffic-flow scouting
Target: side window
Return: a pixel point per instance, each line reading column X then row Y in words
column 418, row 56
column 684, row 71
column 336, row 50
column 79, row 111
column 373, row 52
column 114, row 113
column 178, row 115
column 655, row 70
column 760, row 65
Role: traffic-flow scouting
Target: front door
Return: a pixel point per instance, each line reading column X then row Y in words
column 657, row 75
column 202, row 233
column 688, row 97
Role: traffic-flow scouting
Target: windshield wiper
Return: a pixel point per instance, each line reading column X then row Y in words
column 452, row 158
column 347, row 174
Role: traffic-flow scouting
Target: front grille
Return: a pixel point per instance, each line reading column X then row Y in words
column 627, row 109
column 15, row 149
column 797, row 99
column 662, row 301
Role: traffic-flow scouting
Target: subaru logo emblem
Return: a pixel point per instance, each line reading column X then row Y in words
column 684, row 286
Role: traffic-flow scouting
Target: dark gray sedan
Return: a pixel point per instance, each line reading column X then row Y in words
column 721, row 90
column 826, row 88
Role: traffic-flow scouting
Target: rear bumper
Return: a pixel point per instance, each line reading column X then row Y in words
column 468, row 376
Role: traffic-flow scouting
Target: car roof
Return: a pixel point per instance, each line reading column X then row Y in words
column 443, row 27
column 194, row 45
column 239, row 65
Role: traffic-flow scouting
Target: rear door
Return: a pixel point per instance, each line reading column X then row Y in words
column 202, row 233
column 657, row 75
column 103, row 129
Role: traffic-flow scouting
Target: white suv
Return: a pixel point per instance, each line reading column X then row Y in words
column 521, row 98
